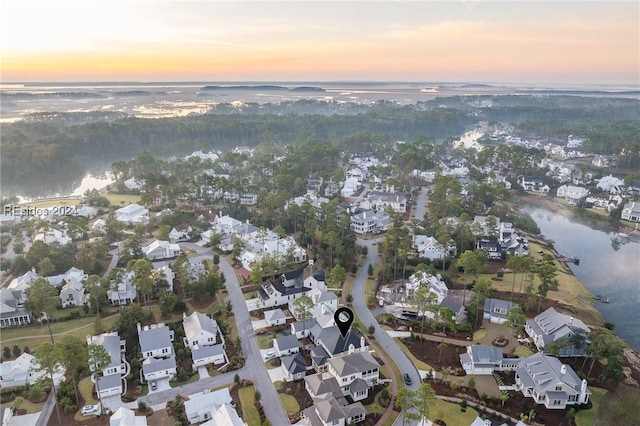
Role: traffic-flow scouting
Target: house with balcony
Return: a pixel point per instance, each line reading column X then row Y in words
column 572, row 194
column 533, row 184
column 23, row 371
column 550, row 326
column 72, row 294
column 428, row 247
column 122, row 290
column 496, row 310
column 156, row 347
column 380, row 200
column 200, row 407
column 12, row 313
column 369, row 221
column 180, row 232
column 112, row 381
column 550, row 382
column 132, row 214
column 160, row 249
column 631, row 212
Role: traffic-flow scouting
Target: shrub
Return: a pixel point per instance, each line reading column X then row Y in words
column 500, row 274
column 349, row 298
column 257, row 395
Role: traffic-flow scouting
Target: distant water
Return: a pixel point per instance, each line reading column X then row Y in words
column 172, row 99
column 609, row 266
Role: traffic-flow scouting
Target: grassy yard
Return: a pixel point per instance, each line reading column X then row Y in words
column 479, row 334
column 419, row 364
column 450, row 413
column 289, row 403
column 375, row 406
column 587, row 417
column 249, row 413
column 53, row 203
column 85, row 387
column 121, row 200
column 34, row 336
column 265, row 341
column 523, row 351
column 31, row 407
column 194, row 378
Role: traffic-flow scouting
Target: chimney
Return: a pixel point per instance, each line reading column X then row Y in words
column 563, row 369
column 570, row 320
column 139, row 328
column 583, row 392
column 184, row 315
column 361, row 342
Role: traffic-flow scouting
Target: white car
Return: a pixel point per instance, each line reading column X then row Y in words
column 269, row 354
column 90, row 409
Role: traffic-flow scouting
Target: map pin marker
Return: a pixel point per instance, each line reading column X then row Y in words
column 343, row 318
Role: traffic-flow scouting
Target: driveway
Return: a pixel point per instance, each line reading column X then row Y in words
column 360, row 306
column 161, row 385
column 203, row 372
column 276, row 374
column 260, row 324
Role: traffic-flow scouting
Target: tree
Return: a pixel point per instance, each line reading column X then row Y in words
column 474, row 263
column 504, row 396
column 75, row 358
column 49, row 361
column 6, row 352
column 303, row 308
column 416, row 403
column 481, row 291
column 426, row 301
column 336, row 276
column 42, row 299
column 142, row 280
column 441, row 346
column 46, row 267
column 98, row 292
column 516, row 320
column 17, row 403
column 98, row 359
column 16, row 351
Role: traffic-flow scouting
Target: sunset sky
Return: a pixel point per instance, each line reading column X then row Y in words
column 206, row 40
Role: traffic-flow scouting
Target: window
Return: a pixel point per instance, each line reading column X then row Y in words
column 558, row 388
column 557, row 402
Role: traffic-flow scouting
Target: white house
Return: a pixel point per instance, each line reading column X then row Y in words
column 112, row 379
column 132, row 214
column 433, row 282
column 72, row 294
column 156, row 347
column 53, row 236
column 379, row 200
column 12, row 313
column 248, row 199
column 294, row 367
column 350, row 187
column 330, row 412
column 20, row 284
column 370, row 221
column 428, row 247
column 533, row 184
column 181, row 232
column 23, row 371
column 572, row 194
column 484, row 359
column 550, row 383
column 496, row 310
column 159, row 249
column 200, row 407
column 286, row 345
column 126, row 417
column 631, row 212
column 551, row 325
column 356, row 373
column 204, row 338
column 275, row 317
column 122, row 291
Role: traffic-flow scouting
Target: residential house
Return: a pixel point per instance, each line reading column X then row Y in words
column 286, row 345
column 200, row 407
column 274, row 292
column 12, row 313
column 126, row 417
column 204, row 338
column 330, row 412
column 551, row 326
column 225, row 415
column 533, row 184
column 379, row 200
column 23, row 371
column 350, row 187
column 493, row 249
column 369, row 221
column 434, row 283
column 72, row 294
column 156, row 346
column 496, row 310
column 460, row 313
column 329, row 343
column 165, row 273
column 275, row 317
column 73, row 274
column 113, row 375
column 159, row 249
column 22, row 283
column 181, row 232
column 631, row 212
column 132, row 214
column 572, row 194
column 122, row 291
column 428, row 247
column 294, row 367
column 99, row 226
column 248, row 199
column 356, row 373
column 301, row 329
column 550, row 382
column 485, row 359
column 53, row 236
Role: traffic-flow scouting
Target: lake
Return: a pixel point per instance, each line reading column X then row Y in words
column 609, row 266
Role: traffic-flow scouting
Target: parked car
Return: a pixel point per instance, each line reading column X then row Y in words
column 153, row 385
column 407, row 379
column 90, row 409
column 269, row 354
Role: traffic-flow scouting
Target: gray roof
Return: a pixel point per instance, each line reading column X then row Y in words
column 303, row 325
column 197, row 322
column 354, row 409
column 111, row 343
column 158, row 365
column 357, row 362
column 274, row 314
column 358, row 385
column 109, row 382
column 326, row 296
column 207, row 351
column 544, row 372
column 294, row 363
column 334, row 343
column 448, row 302
column 319, row 355
column 329, row 411
column 154, row 338
column 491, row 304
column 553, row 325
column 485, row 354
column 287, row 342
column 323, row 383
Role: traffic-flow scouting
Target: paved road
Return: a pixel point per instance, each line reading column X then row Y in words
column 383, row 338
column 420, row 203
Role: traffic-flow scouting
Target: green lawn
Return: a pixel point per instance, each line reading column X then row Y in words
column 479, row 334
column 85, row 387
column 450, row 413
column 586, row 417
column 194, row 378
column 264, row 340
column 375, row 407
column 249, row 413
column 523, row 351
column 52, row 203
column 81, row 327
column 31, row 407
column 121, row 200
column 289, row 403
